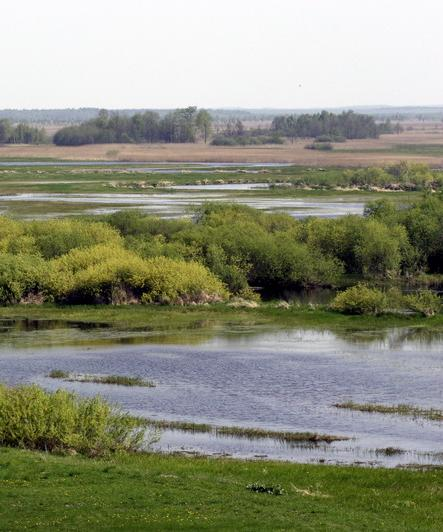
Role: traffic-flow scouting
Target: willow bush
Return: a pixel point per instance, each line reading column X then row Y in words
column 32, row 418
column 20, row 276
column 115, row 275
column 360, row 299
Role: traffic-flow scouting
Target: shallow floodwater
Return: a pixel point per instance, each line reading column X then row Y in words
column 256, row 377
column 151, row 166
column 178, row 203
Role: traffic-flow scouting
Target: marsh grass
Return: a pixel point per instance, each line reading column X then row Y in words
column 175, row 425
column 241, row 432
column 254, row 433
column 390, row 451
column 403, row 410
column 58, row 374
column 119, row 380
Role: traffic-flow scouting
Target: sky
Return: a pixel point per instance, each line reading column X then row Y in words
column 220, row 53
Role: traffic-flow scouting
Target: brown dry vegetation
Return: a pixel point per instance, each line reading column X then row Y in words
column 368, row 152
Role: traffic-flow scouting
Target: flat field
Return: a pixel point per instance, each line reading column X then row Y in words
column 424, row 145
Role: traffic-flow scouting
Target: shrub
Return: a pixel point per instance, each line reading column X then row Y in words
column 360, row 299
column 20, row 275
column 57, row 237
column 321, row 146
column 103, row 275
column 32, row 418
column 424, row 302
column 173, row 281
column 274, row 489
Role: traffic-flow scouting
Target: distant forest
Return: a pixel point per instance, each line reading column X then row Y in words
column 190, row 125
column 21, row 133
column 346, row 125
column 77, row 116
column 182, row 125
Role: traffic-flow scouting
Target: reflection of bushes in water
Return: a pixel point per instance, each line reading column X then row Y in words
column 392, row 338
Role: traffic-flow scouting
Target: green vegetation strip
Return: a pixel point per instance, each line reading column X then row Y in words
column 402, row 410
column 120, row 380
column 40, row 491
column 241, row 432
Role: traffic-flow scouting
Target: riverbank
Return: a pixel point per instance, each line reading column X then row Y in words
column 207, row 317
column 156, row 492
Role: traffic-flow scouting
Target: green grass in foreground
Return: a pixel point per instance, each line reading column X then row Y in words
column 120, row 380
column 403, row 410
column 156, row 492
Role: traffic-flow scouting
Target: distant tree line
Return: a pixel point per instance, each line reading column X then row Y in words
column 182, row 125
column 347, row 125
column 234, row 133
column 20, row 133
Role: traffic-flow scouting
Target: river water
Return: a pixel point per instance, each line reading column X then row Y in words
column 279, row 379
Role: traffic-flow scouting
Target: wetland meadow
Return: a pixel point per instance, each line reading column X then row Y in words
column 200, row 300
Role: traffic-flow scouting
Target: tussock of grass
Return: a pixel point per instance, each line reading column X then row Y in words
column 402, row 410
column 176, row 425
column 241, row 432
column 120, row 380
column 389, row 451
column 58, row 374
column 253, row 433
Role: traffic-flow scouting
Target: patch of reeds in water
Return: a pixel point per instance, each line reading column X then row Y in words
column 119, row 380
column 433, row 414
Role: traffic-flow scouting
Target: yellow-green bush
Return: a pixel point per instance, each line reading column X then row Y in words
column 360, row 299
column 175, row 281
column 20, row 276
column 101, row 274
column 57, row 237
column 32, row 418
column 425, row 302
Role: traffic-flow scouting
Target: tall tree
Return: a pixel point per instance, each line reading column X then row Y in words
column 204, row 123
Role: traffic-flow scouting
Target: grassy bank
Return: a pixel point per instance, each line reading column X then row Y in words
column 153, row 492
column 157, row 317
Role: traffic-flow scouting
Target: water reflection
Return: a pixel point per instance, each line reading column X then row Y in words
column 251, row 375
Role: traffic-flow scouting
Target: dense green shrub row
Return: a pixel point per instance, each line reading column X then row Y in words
column 402, row 176
column 32, row 418
column 131, row 257
column 246, row 140
column 85, row 262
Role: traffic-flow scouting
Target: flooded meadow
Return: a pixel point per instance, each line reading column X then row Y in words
column 255, row 376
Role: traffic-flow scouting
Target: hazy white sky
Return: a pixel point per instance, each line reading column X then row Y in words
column 220, row 53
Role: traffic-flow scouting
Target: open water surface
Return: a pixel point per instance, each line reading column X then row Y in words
column 279, row 379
